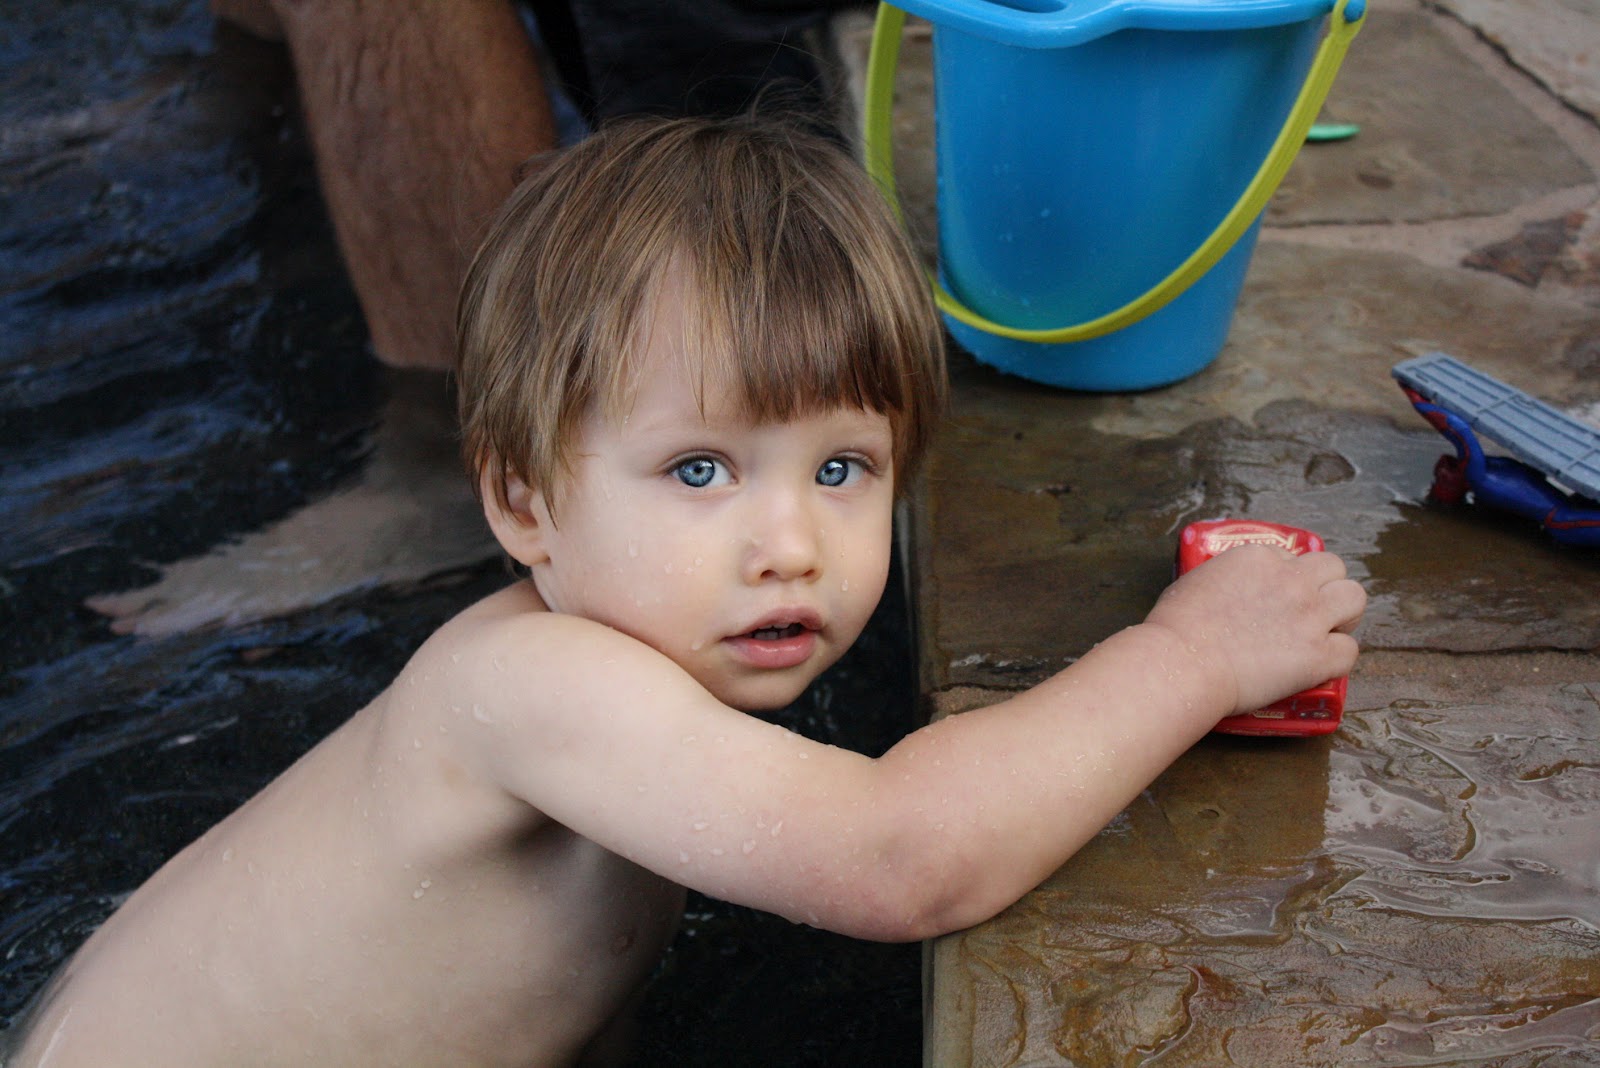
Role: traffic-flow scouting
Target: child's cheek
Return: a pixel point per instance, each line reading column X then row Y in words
column 661, row 572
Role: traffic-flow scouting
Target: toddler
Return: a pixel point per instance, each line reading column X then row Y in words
column 697, row 364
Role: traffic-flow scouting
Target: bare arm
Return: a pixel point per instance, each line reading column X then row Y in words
column 420, row 113
column 951, row 825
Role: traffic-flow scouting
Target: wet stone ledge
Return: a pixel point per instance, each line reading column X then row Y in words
column 1404, row 893
column 1420, row 888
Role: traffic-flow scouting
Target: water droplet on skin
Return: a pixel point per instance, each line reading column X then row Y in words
column 700, row 825
column 696, row 645
column 844, row 587
column 669, row 567
column 416, row 743
column 683, row 856
column 633, row 549
column 499, row 665
column 455, row 658
column 227, row 855
column 698, row 561
column 749, row 847
column 687, row 739
column 480, row 715
column 777, row 829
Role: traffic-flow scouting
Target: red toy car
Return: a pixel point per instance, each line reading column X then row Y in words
column 1318, row 710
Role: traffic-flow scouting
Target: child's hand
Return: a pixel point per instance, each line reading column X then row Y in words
column 1265, row 621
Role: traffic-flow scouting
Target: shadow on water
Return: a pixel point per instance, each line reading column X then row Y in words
column 183, row 364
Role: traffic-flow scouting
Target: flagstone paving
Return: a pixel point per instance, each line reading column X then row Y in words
column 1422, row 887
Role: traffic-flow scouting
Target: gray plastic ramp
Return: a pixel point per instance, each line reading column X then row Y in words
column 1535, row 433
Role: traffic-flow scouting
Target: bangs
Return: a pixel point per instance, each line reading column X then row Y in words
column 798, row 292
column 777, row 347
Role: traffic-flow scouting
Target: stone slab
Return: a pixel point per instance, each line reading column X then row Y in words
column 1556, row 41
column 1440, row 137
column 1418, row 889
column 1297, row 421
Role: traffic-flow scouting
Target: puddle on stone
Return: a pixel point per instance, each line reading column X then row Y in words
column 1476, row 811
column 1100, row 513
column 1421, row 888
column 1462, row 578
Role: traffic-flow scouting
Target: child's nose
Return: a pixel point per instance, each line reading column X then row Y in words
column 785, row 541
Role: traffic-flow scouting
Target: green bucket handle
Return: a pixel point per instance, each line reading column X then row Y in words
column 879, row 151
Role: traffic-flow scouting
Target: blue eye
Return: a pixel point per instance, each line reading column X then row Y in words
column 834, row 472
column 697, row 473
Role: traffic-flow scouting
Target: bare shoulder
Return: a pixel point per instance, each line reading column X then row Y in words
column 510, row 637
column 509, row 679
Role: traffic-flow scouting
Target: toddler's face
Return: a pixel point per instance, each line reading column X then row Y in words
column 751, row 554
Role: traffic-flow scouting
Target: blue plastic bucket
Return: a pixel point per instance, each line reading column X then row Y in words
column 1085, row 150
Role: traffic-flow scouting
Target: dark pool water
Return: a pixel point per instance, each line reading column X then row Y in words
column 183, row 363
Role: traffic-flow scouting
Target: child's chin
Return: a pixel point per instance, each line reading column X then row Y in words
column 765, row 695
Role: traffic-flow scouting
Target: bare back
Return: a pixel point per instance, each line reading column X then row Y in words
column 443, row 880
column 382, row 902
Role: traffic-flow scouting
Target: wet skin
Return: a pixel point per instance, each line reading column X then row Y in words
column 394, row 897
column 480, row 866
column 750, row 554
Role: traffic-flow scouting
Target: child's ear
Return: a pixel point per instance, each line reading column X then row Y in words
column 520, row 528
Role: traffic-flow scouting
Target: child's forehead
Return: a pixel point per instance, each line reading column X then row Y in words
column 702, row 390
column 695, row 352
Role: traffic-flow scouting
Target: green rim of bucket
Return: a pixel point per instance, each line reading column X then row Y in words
column 884, row 57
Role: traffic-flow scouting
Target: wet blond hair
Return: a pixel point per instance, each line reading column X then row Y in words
column 804, row 293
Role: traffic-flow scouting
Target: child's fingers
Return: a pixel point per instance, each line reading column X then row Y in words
column 1343, row 597
column 1347, row 600
column 1343, row 652
column 1323, row 567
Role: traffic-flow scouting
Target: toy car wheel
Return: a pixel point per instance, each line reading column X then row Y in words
column 1449, row 480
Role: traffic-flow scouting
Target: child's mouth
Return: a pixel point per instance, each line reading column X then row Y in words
column 778, row 646
column 773, row 634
